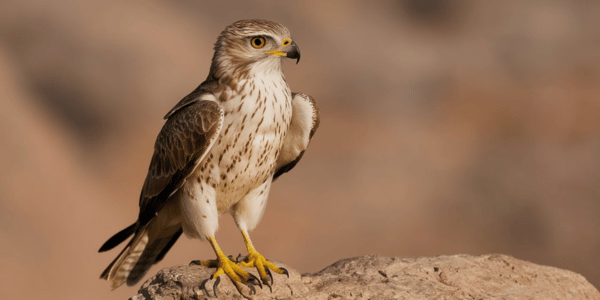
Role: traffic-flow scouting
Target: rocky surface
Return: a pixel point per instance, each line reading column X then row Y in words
column 375, row 277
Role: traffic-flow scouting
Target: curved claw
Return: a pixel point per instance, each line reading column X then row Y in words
column 269, row 285
column 254, row 280
column 240, row 258
column 285, row 271
column 239, row 288
column 206, row 263
column 195, row 262
column 266, row 279
column 215, row 286
column 204, row 290
column 269, row 274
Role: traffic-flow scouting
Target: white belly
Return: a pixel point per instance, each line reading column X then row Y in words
column 244, row 156
column 242, row 159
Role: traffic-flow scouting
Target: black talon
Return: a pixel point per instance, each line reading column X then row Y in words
column 240, row 258
column 269, row 275
column 231, row 258
column 254, row 280
column 204, row 290
column 195, row 262
column 285, row 271
column 269, row 285
column 266, row 280
column 215, row 285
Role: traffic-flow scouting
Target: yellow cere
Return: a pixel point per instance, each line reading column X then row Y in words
column 286, row 42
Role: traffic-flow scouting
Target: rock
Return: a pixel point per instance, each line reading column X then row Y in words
column 375, row 277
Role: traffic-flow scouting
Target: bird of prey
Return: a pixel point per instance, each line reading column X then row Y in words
column 219, row 151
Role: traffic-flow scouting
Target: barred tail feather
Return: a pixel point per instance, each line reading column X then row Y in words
column 149, row 245
column 139, row 255
column 118, row 271
column 153, row 253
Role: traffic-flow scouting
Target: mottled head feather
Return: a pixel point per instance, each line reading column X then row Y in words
column 233, row 52
column 247, row 28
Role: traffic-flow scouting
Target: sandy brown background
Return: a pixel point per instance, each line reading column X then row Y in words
column 447, row 127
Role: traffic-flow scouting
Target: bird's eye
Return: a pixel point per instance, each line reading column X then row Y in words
column 258, row 42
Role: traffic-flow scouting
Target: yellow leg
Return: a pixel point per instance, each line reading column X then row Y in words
column 228, row 267
column 262, row 265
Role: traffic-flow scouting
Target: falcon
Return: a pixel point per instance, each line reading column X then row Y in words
column 218, row 152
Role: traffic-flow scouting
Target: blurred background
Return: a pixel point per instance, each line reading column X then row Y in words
column 447, row 127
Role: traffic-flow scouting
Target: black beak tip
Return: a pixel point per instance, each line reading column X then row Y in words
column 295, row 53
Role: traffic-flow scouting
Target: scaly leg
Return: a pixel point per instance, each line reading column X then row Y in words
column 227, row 266
column 262, row 265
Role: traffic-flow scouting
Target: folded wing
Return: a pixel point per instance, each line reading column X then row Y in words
column 305, row 121
column 182, row 144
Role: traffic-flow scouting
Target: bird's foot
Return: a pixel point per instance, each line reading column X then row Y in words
column 226, row 265
column 263, row 266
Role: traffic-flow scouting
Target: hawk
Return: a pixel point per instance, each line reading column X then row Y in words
column 218, row 152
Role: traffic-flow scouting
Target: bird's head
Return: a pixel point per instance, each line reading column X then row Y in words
column 248, row 43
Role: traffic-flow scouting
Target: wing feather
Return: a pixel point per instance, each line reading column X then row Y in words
column 181, row 145
column 304, row 124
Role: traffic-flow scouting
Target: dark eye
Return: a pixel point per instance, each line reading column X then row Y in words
column 258, row 42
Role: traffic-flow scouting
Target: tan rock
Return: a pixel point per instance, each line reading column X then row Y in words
column 374, row 277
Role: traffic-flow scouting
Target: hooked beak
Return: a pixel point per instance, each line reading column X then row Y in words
column 293, row 52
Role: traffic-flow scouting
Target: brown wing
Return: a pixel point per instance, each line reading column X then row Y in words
column 305, row 121
column 181, row 145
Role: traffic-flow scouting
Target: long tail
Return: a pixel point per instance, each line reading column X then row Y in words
column 146, row 248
